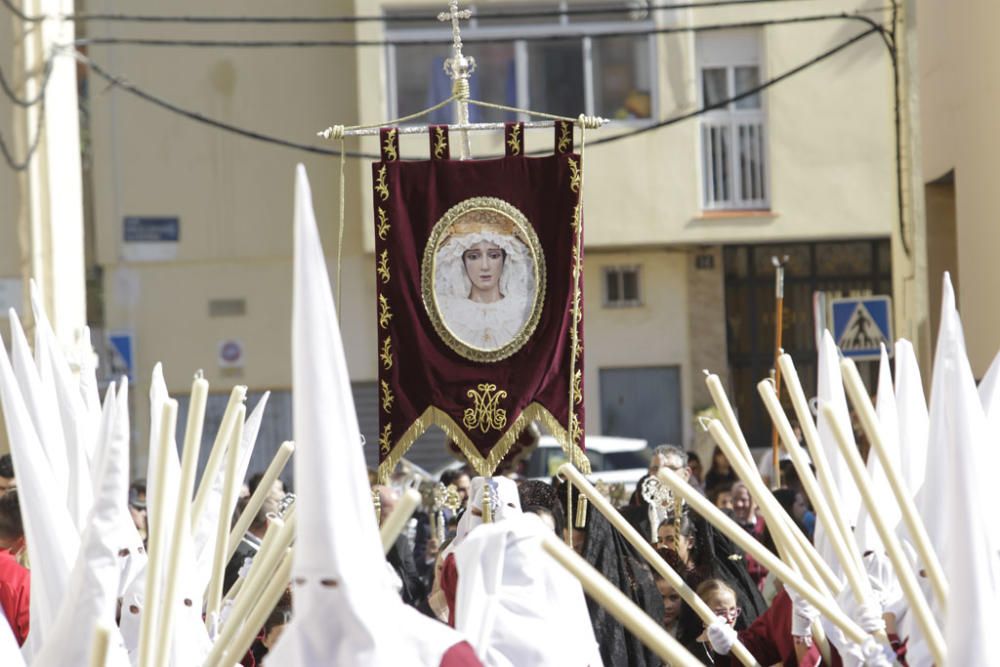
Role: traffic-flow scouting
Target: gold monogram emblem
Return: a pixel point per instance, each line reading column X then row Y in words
column 387, row 397
column 514, row 140
column 381, row 187
column 390, row 145
column 385, row 439
column 565, row 137
column 384, row 313
column 440, row 142
column 386, row 353
column 383, row 266
column 485, row 414
column 575, row 176
column 383, row 221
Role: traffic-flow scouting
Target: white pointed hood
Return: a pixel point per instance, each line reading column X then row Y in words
column 65, row 390
column 92, row 596
column 913, row 418
column 345, row 609
column 888, row 418
column 51, row 536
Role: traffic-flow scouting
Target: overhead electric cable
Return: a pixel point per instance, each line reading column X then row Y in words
column 445, row 41
column 384, row 18
column 121, row 82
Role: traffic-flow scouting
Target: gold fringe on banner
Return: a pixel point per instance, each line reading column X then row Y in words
column 484, row 466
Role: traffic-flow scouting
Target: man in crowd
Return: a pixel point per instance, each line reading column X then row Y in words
column 7, row 480
column 15, row 580
column 250, row 542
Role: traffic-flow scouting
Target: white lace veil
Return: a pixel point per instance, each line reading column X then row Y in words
column 517, row 278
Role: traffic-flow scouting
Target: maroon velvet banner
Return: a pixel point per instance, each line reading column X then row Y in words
column 478, row 331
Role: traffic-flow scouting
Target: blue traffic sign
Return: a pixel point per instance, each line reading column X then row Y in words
column 861, row 325
column 122, row 357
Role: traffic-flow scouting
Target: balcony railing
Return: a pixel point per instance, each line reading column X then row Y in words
column 734, row 162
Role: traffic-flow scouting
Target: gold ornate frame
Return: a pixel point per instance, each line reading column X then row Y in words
column 428, row 270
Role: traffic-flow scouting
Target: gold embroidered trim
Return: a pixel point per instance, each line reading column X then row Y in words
column 574, row 178
column 441, row 230
column 381, row 187
column 578, row 387
column 386, row 353
column 389, row 147
column 484, row 466
column 440, row 142
column 485, row 414
column 383, row 266
column 384, row 312
column 387, row 397
column 383, row 222
column 514, row 140
column 385, row 439
column 565, row 137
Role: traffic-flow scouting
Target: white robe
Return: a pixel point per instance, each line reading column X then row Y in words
column 487, row 326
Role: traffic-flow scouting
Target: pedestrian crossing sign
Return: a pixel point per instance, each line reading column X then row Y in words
column 861, row 325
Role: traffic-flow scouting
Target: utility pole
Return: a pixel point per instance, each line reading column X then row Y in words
column 909, row 235
column 54, row 189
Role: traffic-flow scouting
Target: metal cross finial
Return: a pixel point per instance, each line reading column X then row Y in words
column 458, row 68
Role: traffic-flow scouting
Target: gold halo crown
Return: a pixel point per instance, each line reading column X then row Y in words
column 482, row 220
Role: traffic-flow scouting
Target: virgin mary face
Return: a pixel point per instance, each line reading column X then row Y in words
column 484, row 264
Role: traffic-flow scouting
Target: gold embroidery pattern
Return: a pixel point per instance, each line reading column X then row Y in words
column 575, row 432
column 383, row 266
column 384, row 312
column 440, row 142
column 386, row 354
column 575, row 175
column 578, row 387
column 514, row 140
column 390, row 146
column 381, row 187
column 565, row 137
column 382, row 229
column 387, row 397
column 385, row 440
column 485, row 414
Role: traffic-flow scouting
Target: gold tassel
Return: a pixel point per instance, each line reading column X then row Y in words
column 581, row 512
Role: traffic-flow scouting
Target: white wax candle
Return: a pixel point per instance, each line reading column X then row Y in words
column 908, row 581
column 213, row 600
column 395, row 522
column 727, row 414
column 749, row 544
column 274, row 469
column 917, row 530
column 236, row 398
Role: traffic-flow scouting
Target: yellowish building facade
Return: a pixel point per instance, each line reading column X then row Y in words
column 192, row 225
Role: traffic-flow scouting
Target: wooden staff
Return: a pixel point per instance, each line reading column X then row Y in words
column 213, row 601
column 157, row 544
column 181, row 534
column 618, row 605
column 823, row 473
column 915, row 527
column 919, row 606
column 99, row 647
column 749, row 544
column 779, row 304
column 263, row 489
column 215, row 455
column 396, row 522
column 675, row 580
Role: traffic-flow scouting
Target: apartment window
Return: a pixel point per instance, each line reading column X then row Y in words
column 611, row 77
column 733, row 136
column 621, row 286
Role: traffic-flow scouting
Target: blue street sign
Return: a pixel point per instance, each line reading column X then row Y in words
column 122, row 357
column 861, row 325
column 152, row 229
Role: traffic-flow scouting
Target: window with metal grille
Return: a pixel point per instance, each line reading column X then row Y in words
column 621, row 286
column 733, row 136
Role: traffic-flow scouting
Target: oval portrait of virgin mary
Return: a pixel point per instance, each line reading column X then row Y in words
column 483, row 278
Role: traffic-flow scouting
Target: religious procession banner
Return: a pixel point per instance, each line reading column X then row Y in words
column 479, row 297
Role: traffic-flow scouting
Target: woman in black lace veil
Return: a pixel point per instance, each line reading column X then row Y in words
column 607, row 550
